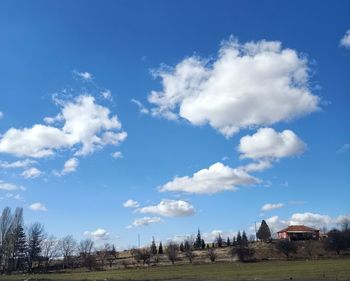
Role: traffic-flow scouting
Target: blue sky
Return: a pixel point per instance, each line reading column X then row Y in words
column 214, row 110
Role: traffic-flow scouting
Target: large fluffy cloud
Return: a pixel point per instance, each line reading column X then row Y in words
column 169, row 208
column 86, row 126
column 252, row 84
column 216, row 178
column 267, row 143
column 307, row 218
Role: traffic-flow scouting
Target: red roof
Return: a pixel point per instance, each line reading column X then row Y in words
column 298, row 228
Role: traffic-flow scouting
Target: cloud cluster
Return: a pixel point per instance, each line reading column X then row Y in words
column 144, row 221
column 266, row 143
column 309, row 219
column 17, row 164
column 247, row 85
column 216, row 178
column 345, row 41
column 86, row 126
column 99, row 233
column 169, row 208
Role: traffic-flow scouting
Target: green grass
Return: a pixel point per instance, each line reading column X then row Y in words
column 274, row 270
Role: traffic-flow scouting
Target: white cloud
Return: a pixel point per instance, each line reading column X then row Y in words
column 117, row 155
column 10, row 186
column 31, row 173
column 345, row 41
column 343, row 149
column 69, row 166
column 269, row 144
column 144, row 221
column 1, row 114
column 141, row 107
column 216, row 178
column 38, row 207
column 169, row 208
column 99, row 233
column 310, row 219
column 270, row 206
column 247, row 85
column 86, row 76
column 257, row 166
column 17, row 164
column 86, row 126
column 131, row 204
column 107, row 95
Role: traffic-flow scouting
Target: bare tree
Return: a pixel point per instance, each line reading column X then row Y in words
column 36, row 236
column 345, row 224
column 85, row 252
column 50, row 250
column 68, row 246
column 172, row 251
column 211, row 254
column 5, row 224
column 188, row 248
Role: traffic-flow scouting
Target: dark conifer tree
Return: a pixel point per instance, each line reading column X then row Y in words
column 203, row 244
column 160, row 249
column 244, row 239
column 198, row 241
column 228, row 242
column 239, row 238
column 153, row 248
column 182, row 247
column 264, row 233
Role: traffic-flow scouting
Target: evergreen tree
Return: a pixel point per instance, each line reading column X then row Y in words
column 239, row 238
column 234, row 241
column 264, row 233
column 244, row 238
column 153, row 248
column 203, row 244
column 19, row 247
column 187, row 246
column 198, row 241
column 182, row 247
column 219, row 241
column 228, row 242
column 160, row 249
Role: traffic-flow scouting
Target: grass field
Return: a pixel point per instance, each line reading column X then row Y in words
column 336, row 269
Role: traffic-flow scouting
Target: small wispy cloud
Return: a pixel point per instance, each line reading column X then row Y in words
column 345, row 41
column 142, row 108
column 31, row 173
column 85, row 76
column 343, row 149
column 38, row 207
column 271, row 206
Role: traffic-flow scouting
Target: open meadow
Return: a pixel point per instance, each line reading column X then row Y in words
column 334, row 269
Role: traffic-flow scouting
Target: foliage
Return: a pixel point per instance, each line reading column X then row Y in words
column 287, row 247
column 264, row 233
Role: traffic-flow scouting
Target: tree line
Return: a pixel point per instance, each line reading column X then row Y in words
column 31, row 249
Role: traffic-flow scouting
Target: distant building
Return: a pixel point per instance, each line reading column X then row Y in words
column 299, row 232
